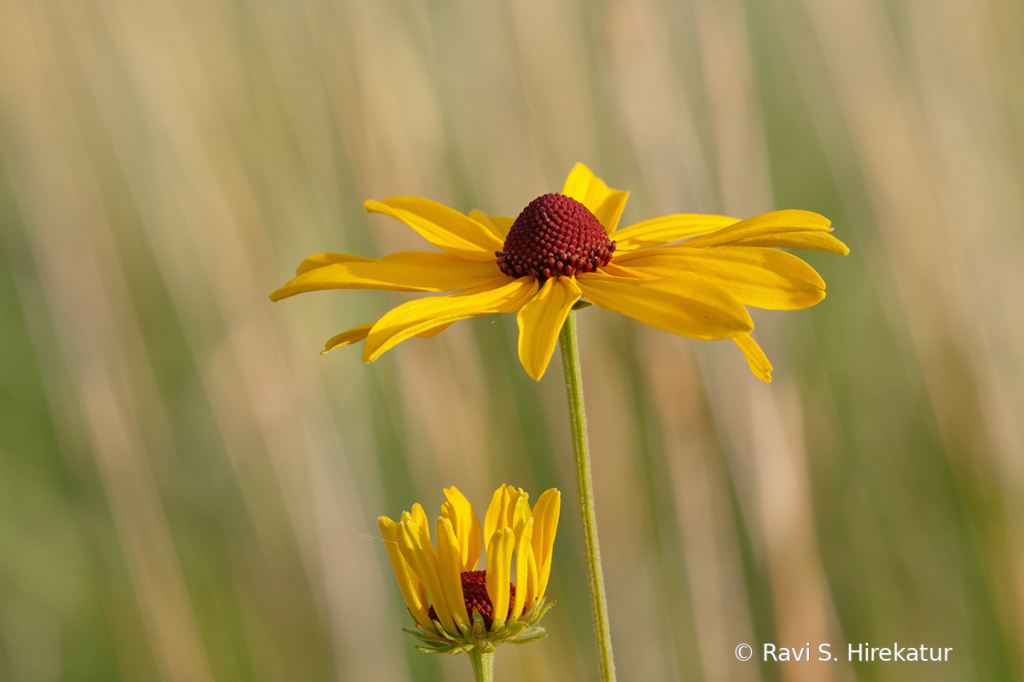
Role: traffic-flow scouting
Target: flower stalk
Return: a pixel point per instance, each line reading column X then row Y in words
column 585, row 494
column 483, row 665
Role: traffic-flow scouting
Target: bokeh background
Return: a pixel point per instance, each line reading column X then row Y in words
column 188, row 491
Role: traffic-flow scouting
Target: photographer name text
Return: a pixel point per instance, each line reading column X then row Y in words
column 858, row 653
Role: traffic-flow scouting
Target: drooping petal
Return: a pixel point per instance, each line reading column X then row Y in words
column 319, row 260
column 667, row 229
column 819, row 241
column 403, row 271
column 499, row 571
column 524, row 552
column 433, row 331
column 683, row 304
column 443, row 227
column 467, row 528
column 546, row 513
column 357, row 334
column 502, row 295
column 763, row 228
column 450, row 567
column 756, row 276
column 412, row 589
column 756, row 358
column 416, row 549
column 353, row 335
column 498, row 224
column 606, row 204
column 541, row 319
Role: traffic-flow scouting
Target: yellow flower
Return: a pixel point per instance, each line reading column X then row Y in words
column 688, row 274
column 456, row 607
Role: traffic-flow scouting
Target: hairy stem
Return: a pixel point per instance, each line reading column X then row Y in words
column 483, row 665
column 585, row 494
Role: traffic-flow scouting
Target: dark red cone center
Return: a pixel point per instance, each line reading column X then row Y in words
column 474, row 590
column 555, row 236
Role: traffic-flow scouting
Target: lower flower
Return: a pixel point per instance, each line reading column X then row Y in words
column 456, row 607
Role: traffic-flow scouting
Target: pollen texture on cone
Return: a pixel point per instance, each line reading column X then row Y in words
column 555, row 236
column 474, row 590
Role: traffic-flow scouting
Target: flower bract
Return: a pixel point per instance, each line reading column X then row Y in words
column 457, row 607
column 690, row 274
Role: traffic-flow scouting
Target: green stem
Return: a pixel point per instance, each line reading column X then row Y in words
column 483, row 665
column 585, row 493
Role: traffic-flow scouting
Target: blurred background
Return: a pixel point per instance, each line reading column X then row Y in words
column 188, row 491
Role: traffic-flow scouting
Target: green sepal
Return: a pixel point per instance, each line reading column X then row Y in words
column 479, row 627
column 515, row 627
column 476, row 637
column 528, row 635
column 420, row 635
column 433, row 648
column 542, row 609
column 440, row 629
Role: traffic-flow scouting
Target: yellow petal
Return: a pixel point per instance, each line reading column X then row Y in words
column 501, row 514
column 412, row 589
column 443, row 227
column 450, row 567
column 588, row 189
column 320, row 260
column 819, row 241
column 684, row 304
column 357, row 334
column 467, row 528
column 518, row 506
column 353, row 335
column 756, row 358
column 404, row 271
column 520, row 515
column 419, row 517
column 433, row 332
column 494, row 519
column 503, row 223
column 670, row 228
column 497, row 224
column 415, row 547
column 532, row 594
column 499, row 572
column 541, row 319
column 764, row 226
column 756, row 276
column 619, row 271
column 448, row 512
column 502, row 295
column 546, row 512
column 524, row 552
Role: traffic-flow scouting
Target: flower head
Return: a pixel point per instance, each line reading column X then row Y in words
column 689, row 274
column 456, row 607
